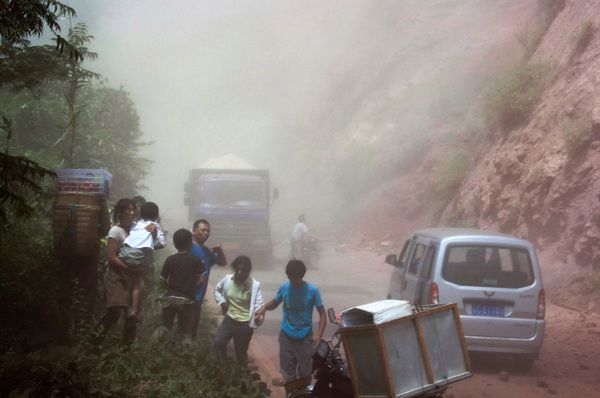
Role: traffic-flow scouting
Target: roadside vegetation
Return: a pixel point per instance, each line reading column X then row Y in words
column 530, row 36
column 582, row 38
column 577, row 134
column 54, row 112
column 450, row 174
column 513, row 96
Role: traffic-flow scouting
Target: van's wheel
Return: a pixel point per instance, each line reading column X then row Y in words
column 524, row 361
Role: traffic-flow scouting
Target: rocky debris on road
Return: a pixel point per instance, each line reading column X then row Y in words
column 503, row 376
column 541, row 383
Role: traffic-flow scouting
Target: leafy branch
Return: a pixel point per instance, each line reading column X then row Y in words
column 19, row 177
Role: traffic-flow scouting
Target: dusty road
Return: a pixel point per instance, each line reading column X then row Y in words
column 569, row 365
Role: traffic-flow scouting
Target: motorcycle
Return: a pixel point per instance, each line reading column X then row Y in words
column 329, row 368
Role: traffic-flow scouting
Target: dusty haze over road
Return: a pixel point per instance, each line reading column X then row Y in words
column 297, row 87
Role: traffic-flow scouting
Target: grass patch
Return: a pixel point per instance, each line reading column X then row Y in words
column 582, row 38
column 591, row 284
column 512, row 98
column 451, row 173
column 576, row 134
column 549, row 9
column 530, row 35
column 145, row 370
column 458, row 218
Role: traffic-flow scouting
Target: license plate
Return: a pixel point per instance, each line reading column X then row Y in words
column 487, row 310
column 231, row 245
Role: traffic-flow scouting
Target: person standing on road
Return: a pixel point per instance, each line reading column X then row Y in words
column 239, row 296
column 296, row 339
column 210, row 257
column 299, row 236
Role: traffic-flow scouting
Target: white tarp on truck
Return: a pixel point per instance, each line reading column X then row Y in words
column 228, row 161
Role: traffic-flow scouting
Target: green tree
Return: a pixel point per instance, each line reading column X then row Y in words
column 77, row 77
column 19, row 20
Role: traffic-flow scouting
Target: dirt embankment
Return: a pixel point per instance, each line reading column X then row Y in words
column 540, row 181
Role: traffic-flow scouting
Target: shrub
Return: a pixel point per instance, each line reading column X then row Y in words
column 145, row 370
column 458, row 218
column 512, row 98
column 451, row 174
column 530, row 36
column 582, row 38
column 591, row 284
column 549, row 9
column 31, row 365
column 576, row 134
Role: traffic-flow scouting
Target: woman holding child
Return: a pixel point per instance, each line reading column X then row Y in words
column 118, row 281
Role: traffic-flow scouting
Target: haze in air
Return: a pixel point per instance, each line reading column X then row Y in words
column 330, row 97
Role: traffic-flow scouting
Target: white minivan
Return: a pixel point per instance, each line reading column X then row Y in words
column 494, row 279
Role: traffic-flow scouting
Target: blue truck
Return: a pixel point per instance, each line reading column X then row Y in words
column 236, row 202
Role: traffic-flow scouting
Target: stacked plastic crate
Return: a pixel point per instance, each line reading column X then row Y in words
column 80, row 200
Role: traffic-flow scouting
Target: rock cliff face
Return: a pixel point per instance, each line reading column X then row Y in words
column 540, row 181
column 532, row 182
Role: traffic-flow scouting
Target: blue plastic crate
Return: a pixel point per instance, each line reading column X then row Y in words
column 90, row 181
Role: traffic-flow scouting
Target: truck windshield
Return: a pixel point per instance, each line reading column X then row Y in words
column 490, row 266
column 232, row 194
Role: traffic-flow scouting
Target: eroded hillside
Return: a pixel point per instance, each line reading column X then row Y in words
column 534, row 173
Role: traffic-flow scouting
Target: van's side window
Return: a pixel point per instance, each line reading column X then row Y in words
column 428, row 263
column 416, row 258
column 404, row 254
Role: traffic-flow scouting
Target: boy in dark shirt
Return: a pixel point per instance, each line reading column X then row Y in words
column 182, row 273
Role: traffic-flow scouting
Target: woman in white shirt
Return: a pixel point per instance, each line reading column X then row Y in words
column 239, row 296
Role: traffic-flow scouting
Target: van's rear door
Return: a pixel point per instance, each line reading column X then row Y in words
column 495, row 287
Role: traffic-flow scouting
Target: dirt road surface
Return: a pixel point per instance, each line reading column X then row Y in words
column 569, row 364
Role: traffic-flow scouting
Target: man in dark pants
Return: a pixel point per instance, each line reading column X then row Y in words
column 181, row 274
column 296, row 339
column 210, row 257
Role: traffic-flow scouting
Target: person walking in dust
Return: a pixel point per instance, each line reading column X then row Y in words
column 297, row 341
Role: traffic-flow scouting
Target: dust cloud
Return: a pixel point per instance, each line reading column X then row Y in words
column 331, row 97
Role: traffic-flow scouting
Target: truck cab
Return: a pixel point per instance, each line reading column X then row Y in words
column 236, row 202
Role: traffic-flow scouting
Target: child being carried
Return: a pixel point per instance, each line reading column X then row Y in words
column 137, row 250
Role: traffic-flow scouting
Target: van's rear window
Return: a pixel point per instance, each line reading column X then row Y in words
column 490, row 266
